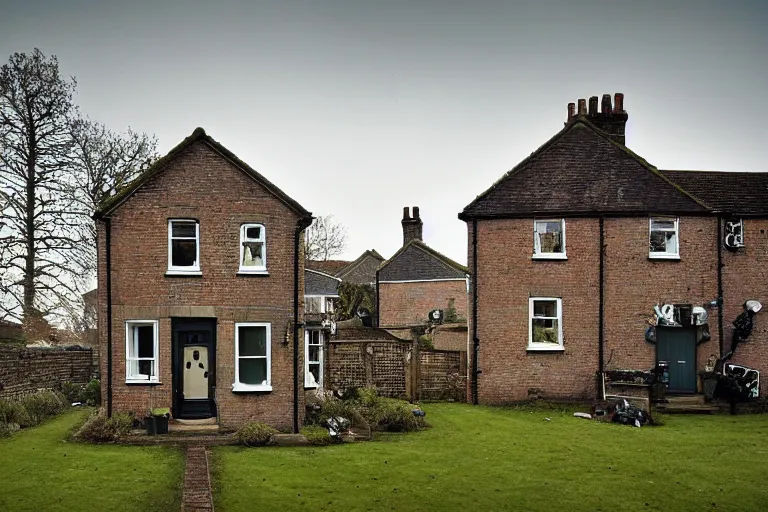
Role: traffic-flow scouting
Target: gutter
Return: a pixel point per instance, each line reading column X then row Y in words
column 108, row 241
column 378, row 322
column 301, row 225
column 720, row 283
column 475, row 339
column 601, row 316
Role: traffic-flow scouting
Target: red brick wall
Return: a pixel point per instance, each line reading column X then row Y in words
column 633, row 285
column 24, row 371
column 745, row 277
column 200, row 184
column 410, row 303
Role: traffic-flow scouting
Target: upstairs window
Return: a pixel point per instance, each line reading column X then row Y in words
column 545, row 326
column 183, row 246
column 253, row 254
column 663, row 238
column 316, row 304
column 141, row 350
column 734, row 234
column 549, row 239
column 253, row 357
column 313, row 359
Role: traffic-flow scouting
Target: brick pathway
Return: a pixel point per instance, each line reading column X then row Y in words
column 197, row 495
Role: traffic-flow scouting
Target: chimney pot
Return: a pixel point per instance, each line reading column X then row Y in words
column 571, row 110
column 416, row 213
column 605, row 108
column 582, row 106
column 593, row 105
column 618, row 101
column 406, row 213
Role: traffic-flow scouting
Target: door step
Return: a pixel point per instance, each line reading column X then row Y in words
column 204, row 421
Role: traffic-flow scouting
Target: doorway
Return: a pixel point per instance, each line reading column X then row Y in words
column 677, row 347
column 194, row 368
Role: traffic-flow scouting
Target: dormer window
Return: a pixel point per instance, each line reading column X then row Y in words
column 549, row 239
column 253, row 250
column 183, row 247
column 663, row 238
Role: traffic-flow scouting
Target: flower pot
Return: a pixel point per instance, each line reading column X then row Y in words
column 151, row 425
column 161, row 424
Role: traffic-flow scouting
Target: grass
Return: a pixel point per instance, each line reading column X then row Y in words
column 511, row 459
column 41, row 471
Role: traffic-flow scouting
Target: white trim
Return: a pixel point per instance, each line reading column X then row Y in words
column 666, row 255
column 262, row 269
column 191, row 269
column 323, row 303
column 155, row 354
column 537, row 247
column 321, row 273
column 424, row 280
column 237, row 385
column 321, row 345
column 546, row 346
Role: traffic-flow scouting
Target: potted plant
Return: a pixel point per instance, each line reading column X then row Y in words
column 158, row 418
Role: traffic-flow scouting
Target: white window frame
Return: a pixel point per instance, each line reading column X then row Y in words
column 239, row 386
column 737, row 239
column 549, row 347
column 263, row 239
column 666, row 255
column 537, row 254
column 135, row 379
column 307, row 337
column 183, row 270
column 325, row 300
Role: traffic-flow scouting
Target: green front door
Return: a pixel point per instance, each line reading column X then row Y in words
column 677, row 347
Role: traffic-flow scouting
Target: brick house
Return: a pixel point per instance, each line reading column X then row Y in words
column 574, row 247
column 200, row 277
column 417, row 280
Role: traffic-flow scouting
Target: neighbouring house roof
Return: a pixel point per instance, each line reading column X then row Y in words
column 10, row 330
column 109, row 205
column 416, row 261
column 728, row 192
column 581, row 171
column 320, row 283
column 327, row 266
column 363, row 269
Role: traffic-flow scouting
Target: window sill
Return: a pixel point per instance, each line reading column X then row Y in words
column 183, row 273
column 140, row 382
column 554, row 256
column 667, row 257
column 243, row 272
column 556, row 348
column 246, row 388
column 311, row 387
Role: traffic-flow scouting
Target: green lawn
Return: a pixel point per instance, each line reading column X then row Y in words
column 486, row 459
column 40, row 471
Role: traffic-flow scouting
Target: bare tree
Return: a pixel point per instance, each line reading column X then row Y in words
column 38, row 215
column 101, row 163
column 324, row 238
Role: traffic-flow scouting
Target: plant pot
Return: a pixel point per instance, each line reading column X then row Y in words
column 161, row 424
column 151, row 425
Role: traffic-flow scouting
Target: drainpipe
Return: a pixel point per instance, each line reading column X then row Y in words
column 378, row 324
column 300, row 226
column 475, row 339
column 601, row 318
column 720, row 283
column 108, row 242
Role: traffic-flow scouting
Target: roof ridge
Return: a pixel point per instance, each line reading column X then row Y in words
column 430, row 251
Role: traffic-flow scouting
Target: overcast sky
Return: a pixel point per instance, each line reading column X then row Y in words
column 360, row 108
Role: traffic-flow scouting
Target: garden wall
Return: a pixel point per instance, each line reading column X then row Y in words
column 27, row 370
column 387, row 365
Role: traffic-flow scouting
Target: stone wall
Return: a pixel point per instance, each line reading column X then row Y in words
column 25, row 371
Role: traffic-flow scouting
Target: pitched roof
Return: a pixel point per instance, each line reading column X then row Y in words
column 327, row 266
column 581, row 171
column 320, row 283
column 110, row 204
column 729, row 192
column 363, row 269
column 416, row 261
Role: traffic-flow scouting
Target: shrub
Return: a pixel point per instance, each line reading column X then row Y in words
column 100, row 429
column 73, row 392
column 380, row 413
column 92, row 393
column 12, row 411
column 7, row 429
column 43, row 405
column 316, row 435
column 333, row 407
column 254, row 434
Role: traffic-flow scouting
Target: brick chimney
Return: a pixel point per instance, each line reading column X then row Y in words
column 612, row 119
column 411, row 225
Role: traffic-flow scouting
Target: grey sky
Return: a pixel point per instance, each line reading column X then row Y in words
column 360, row 108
